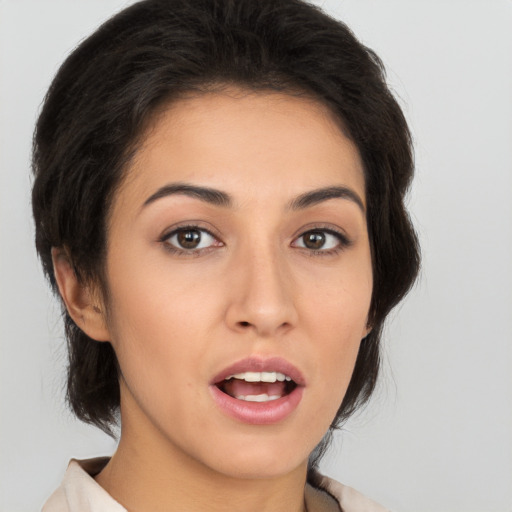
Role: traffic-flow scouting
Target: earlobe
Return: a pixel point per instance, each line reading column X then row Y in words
column 82, row 304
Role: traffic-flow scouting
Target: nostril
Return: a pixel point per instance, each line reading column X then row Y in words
column 245, row 324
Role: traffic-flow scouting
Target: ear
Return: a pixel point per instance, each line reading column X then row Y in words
column 82, row 303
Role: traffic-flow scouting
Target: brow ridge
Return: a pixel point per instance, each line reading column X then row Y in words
column 314, row 197
column 206, row 194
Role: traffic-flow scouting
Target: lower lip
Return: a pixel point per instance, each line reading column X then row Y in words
column 257, row 413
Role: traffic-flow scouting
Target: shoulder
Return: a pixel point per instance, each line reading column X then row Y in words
column 349, row 499
column 79, row 492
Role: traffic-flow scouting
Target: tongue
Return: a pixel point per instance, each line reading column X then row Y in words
column 236, row 387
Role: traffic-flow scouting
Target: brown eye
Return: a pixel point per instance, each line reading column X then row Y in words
column 314, row 240
column 189, row 239
column 321, row 241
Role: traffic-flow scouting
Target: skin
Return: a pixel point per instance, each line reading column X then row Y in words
column 176, row 319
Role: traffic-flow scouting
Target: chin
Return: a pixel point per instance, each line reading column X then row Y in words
column 259, row 461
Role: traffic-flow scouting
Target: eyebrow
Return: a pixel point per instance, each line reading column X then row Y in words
column 324, row 194
column 208, row 195
column 220, row 198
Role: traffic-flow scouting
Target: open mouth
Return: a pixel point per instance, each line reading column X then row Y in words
column 257, row 386
column 259, row 391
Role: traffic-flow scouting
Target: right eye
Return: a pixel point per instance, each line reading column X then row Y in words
column 190, row 239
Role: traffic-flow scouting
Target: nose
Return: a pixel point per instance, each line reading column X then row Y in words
column 262, row 297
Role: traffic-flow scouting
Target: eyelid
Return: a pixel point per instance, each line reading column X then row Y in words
column 344, row 240
column 189, row 224
column 192, row 226
column 322, row 226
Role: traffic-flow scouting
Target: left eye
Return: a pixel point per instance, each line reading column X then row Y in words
column 190, row 239
column 318, row 240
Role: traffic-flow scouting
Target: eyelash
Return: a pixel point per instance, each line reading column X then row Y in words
column 173, row 249
column 343, row 241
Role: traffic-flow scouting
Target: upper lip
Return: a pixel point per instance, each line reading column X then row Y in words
column 260, row 364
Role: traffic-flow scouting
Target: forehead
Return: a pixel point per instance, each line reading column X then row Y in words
column 275, row 144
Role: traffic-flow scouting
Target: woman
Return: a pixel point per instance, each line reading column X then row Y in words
column 218, row 201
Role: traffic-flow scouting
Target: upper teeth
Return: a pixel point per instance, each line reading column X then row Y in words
column 260, row 376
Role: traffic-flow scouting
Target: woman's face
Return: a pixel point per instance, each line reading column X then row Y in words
column 238, row 245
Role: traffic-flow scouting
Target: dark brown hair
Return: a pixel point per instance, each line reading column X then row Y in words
column 109, row 88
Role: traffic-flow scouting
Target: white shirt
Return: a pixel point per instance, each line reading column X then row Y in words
column 79, row 492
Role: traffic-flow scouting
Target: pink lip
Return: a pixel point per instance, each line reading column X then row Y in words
column 259, row 413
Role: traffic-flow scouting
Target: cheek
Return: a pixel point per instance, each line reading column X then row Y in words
column 150, row 327
column 151, row 298
column 339, row 306
column 337, row 317
column 162, row 317
column 158, row 348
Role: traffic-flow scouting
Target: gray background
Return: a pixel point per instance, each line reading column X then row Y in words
column 438, row 434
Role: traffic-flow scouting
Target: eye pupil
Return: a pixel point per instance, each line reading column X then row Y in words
column 189, row 239
column 314, row 240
